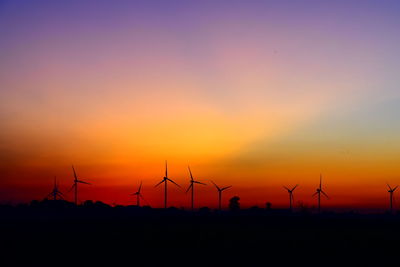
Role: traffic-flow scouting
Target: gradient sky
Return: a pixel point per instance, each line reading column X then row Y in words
column 254, row 94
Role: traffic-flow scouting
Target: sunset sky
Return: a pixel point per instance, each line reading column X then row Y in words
column 253, row 94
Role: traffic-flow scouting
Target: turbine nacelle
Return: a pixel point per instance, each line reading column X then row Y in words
column 391, row 190
column 138, row 194
column 191, row 186
column 220, row 189
column 139, row 190
column 192, row 181
column 319, row 192
column 291, row 190
column 55, row 192
column 76, row 180
column 165, row 180
column 75, row 185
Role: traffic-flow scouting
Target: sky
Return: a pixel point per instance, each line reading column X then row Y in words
column 253, row 94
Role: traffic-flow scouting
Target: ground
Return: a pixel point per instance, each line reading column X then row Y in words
column 129, row 236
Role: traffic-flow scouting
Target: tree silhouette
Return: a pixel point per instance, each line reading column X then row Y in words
column 234, row 204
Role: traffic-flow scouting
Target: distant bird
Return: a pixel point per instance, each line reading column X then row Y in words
column 391, row 191
column 138, row 195
column 55, row 193
column 191, row 186
column 165, row 181
column 220, row 193
column 318, row 192
column 75, row 185
column 291, row 198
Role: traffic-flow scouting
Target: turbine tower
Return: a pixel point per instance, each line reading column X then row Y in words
column 318, row 192
column 191, row 186
column 291, row 198
column 138, row 195
column 220, row 194
column 75, row 186
column 55, row 193
column 165, row 180
column 391, row 191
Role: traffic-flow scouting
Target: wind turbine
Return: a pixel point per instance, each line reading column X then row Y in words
column 138, row 195
column 391, row 191
column 75, row 185
column 191, row 186
column 55, row 193
column 220, row 193
column 165, row 181
column 290, row 191
column 318, row 192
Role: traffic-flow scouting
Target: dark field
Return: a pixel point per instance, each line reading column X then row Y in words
column 128, row 236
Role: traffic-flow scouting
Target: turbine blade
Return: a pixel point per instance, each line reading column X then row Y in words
column 226, row 187
column 325, row 194
column 197, row 182
column 316, row 193
column 72, row 187
column 144, row 199
column 191, row 176
column 140, row 186
column 295, row 187
column 190, row 186
column 389, row 186
column 174, row 183
column 216, row 186
column 166, row 169
column 76, row 178
column 162, row 181
column 140, row 195
column 82, row 182
column 394, row 189
column 286, row 188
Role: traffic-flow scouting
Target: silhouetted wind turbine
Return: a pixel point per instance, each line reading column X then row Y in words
column 191, row 186
column 318, row 192
column 220, row 193
column 290, row 191
column 138, row 195
column 75, row 185
column 55, row 192
column 391, row 191
column 165, row 181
